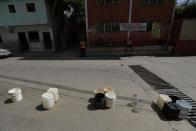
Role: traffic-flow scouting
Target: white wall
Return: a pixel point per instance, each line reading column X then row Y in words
column 22, row 16
column 11, row 40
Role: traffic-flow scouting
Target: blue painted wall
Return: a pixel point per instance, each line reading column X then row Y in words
column 22, row 16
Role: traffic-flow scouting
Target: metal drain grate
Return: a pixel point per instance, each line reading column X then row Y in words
column 162, row 87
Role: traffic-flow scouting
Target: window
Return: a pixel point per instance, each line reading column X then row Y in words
column 146, row 2
column 115, row 2
column 115, row 26
column 100, row 27
column 11, row 8
column 100, row 2
column 108, row 2
column 108, row 27
column 30, row 7
column 153, row 2
column 33, row 36
column 160, row 1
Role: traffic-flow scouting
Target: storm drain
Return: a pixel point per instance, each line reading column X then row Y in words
column 163, row 87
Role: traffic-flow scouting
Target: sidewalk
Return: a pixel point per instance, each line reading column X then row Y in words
column 74, row 52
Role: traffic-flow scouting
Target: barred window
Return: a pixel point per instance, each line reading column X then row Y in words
column 100, row 27
column 11, row 8
column 115, row 26
column 101, row 2
column 115, row 2
column 30, row 7
column 108, row 2
column 108, row 27
column 153, row 2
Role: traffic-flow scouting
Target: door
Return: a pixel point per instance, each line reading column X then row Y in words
column 23, row 41
column 47, row 40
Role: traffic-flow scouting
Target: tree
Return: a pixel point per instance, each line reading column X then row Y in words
column 78, row 6
column 187, row 9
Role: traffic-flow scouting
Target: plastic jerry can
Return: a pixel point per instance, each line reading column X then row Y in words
column 162, row 99
column 170, row 110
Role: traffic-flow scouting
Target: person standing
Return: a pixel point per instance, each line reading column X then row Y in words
column 82, row 49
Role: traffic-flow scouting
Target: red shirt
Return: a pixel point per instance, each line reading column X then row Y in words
column 82, row 45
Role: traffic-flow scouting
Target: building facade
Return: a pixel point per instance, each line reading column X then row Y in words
column 143, row 22
column 27, row 25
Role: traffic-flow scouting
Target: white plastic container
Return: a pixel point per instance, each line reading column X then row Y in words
column 55, row 93
column 162, row 99
column 110, row 100
column 47, row 100
column 16, row 94
column 108, row 90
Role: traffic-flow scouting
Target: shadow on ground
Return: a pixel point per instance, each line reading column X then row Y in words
column 40, row 108
column 92, row 106
column 159, row 113
column 8, row 101
column 69, row 58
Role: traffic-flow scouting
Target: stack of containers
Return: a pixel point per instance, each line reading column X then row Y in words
column 49, row 98
column 55, row 93
column 173, row 107
column 105, row 97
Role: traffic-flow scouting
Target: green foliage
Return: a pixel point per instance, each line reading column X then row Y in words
column 187, row 11
column 78, row 15
column 81, row 37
